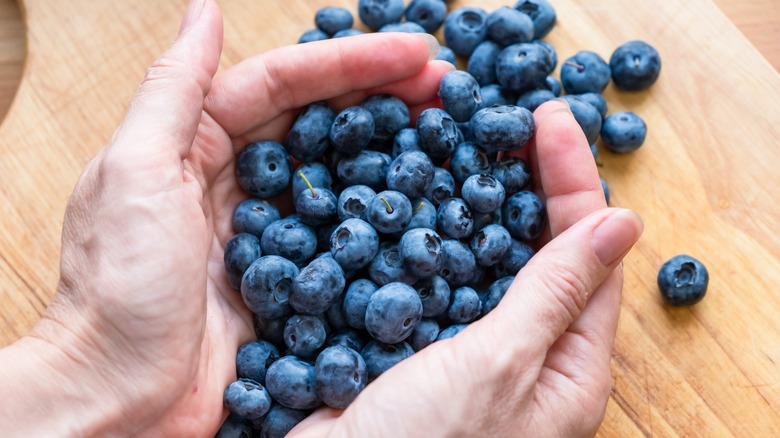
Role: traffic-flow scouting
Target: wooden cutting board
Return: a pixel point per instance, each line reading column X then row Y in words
column 706, row 183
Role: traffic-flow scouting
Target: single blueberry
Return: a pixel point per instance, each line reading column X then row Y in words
column 316, row 206
column 441, row 188
column 465, row 28
column 348, row 337
column 522, row 67
column 312, row 35
column 424, row 334
column 387, row 266
column 465, row 306
column 451, row 331
column 683, row 280
column 469, row 159
column 235, row 426
column 551, row 51
column 438, row 133
column 340, row 374
column 390, row 115
column 406, row 27
column 354, row 244
column 307, row 140
column 367, row 168
column 585, row 72
column 381, row 357
column 493, row 94
column 635, row 66
column 623, row 132
column 304, row 335
column 271, row 330
column 586, row 115
column 455, row 218
column 434, row 294
column 411, row 173
column 353, row 202
column 263, row 169
column 483, row 193
column 280, row 420
column 406, row 140
column 356, row 300
column 513, row 173
column 420, row 251
column 348, row 33
column 331, row 19
column 290, row 239
column 523, row 215
column 554, row 85
column 247, row 399
column 533, row 99
column 291, row 382
column 541, row 13
column 458, row 263
column 495, row 292
column 490, row 245
column 598, row 102
column 482, row 63
column 389, row 211
column 502, row 128
column 446, row 54
column 518, row 256
column 351, row 130
column 460, row 95
column 316, row 286
column 240, row 252
column 266, row 286
column 254, row 358
column 509, row 26
column 423, row 216
column 337, row 319
column 377, row 13
column 429, row 14
column 253, row 215
column 392, row 312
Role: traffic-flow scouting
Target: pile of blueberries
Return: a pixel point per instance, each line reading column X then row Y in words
column 401, row 235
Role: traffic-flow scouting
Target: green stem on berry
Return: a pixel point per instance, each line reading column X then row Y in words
column 389, row 208
column 306, row 180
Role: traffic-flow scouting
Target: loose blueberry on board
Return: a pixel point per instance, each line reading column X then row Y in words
column 351, row 130
column 411, row 173
column 266, row 285
column 460, row 95
column 482, row 62
column 434, row 294
column 483, row 193
column 235, row 426
column 340, row 374
column 392, row 312
column 524, row 215
column 623, row 132
column 469, row 159
column 312, row 35
column 263, row 169
column 424, row 334
column 446, row 54
column 247, row 399
column 367, row 168
column 586, row 115
column 509, row 26
column 585, row 72
column 291, row 239
column 316, row 286
column 502, row 128
column 347, row 33
column 240, row 252
column 387, row 267
column 291, row 382
column 465, row 306
column 598, row 102
column 522, row 67
column 308, row 138
column 254, row 358
column 490, row 245
column 683, row 280
column 354, row 244
column 458, row 263
column 406, row 140
column 441, row 188
column 516, row 258
column 439, row 134
column 455, row 218
column 304, row 335
column 377, row 13
column 420, row 251
column 635, row 66
column 430, row 14
column 280, row 420
column 406, row 26
column 532, row 99
column 513, row 173
column 542, row 14
column 605, row 188
column 492, row 94
column 332, row 19
column 356, row 301
column 389, row 211
column 465, row 28
column 253, row 216
column 381, row 357
column 390, row 116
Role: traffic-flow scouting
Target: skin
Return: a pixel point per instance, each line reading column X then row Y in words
column 141, row 335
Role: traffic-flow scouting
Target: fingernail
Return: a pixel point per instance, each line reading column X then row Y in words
column 446, row 64
column 615, row 235
column 432, row 42
column 191, row 14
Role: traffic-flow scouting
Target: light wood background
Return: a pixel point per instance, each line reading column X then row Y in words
column 706, row 182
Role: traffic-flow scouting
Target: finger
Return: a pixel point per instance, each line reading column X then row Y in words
column 563, row 167
column 551, row 291
column 260, row 88
column 164, row 114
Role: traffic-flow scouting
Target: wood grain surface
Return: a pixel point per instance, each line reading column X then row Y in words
column 705, row 183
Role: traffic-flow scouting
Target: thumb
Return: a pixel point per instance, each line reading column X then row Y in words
column 552, row 290
column 164, row 114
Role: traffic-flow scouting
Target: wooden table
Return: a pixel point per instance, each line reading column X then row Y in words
column 706, row 182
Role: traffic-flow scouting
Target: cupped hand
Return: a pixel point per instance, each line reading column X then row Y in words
column 143, row 330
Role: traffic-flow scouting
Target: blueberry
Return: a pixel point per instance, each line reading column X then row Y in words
column 356, row 301
column 316, row 206
column 312, row 35
column 420, row 250
column 347, row 33
column 406, row 27
column 465, row 306
column 438, row 133
column 429, row 14
column 392, row 312
column 554, row 85
column 460, row 95
column 451, row 331
column 348, row 338
column 389, row 211
column 446, row 54
column 493, row 94
column 387, row 266
column 390, row 116
column 523, row 215
column 351, row 130
column 541, row 13
column 502, row 128
column 411, row 173
column 247, row 399
column 337, row 319
column 240, row 251
column 291, row 382
column 513, row 173
column 465, row 28
column 683, row 280
column 509, row 26
column 253, row 215
column 458, row 263
column 235, row 427
column 455, row 219
column 469, row 159
column 406, row 140
column 533, row 99
column 482, row 62
column 290, row 239
column 254, row 358
column 381, row 357
column 623, row 132
column 280, row 420
column 635, row 66
column 490, row 245
column 522, row 67
column 494, row 293
column 483, row 193
column 263, row 169
column 377, row 13
column 340, row 374
column 354, row 244
column 266, row 286
column 441, row 188
column 304, row 335
column 353, row 202
column 434, row 294
column 423, row 215
column 518, row 256
column 597, row 100
column 271, row 330
column 605, row 188
column 585, row 72
column 424, row 334
column 366, row 168
column 308, row 137
column 551, row 51
column 316, row 286
column 332, row 19
column 586, row 115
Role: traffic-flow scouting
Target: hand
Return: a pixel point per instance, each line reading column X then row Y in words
column 537, row 365
column 142, row 333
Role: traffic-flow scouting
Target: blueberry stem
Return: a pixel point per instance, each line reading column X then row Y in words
column 306, row 180
column 389, row 208
column 579, row 67
column 419, row 207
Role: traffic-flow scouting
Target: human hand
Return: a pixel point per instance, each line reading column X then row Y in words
column 142, row 333
column 539, row 363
